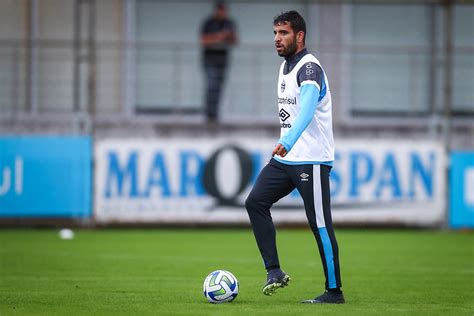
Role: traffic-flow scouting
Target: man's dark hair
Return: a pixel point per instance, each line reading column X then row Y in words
column 220, row 4
column 295, row 20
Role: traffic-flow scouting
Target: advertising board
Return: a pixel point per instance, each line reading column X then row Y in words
column 45, row 176
column 185, row 180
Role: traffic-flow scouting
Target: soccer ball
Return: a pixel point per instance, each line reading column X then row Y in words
column 66, row 234
column 220, row 286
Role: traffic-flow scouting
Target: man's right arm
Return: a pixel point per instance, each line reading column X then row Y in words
column 209, row 37
column 213, row 38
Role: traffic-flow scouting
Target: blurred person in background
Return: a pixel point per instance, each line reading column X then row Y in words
column 218, row 34
column 302, row 159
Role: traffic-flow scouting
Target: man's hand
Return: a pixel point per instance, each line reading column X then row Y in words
column 224, row 36
column 279, row 150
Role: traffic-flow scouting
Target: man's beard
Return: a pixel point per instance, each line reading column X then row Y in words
column 289, row 51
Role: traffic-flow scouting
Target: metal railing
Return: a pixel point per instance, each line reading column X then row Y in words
column 41, row 85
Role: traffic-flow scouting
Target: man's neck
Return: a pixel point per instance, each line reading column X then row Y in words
column 296, row 54
column 294, row 59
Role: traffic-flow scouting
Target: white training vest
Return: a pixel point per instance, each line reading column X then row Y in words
column 316, row 144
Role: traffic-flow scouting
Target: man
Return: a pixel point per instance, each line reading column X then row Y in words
column 302, row 159
column 218, row 34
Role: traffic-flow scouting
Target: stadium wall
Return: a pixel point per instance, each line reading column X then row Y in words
column 189, row 181
column 390, row 81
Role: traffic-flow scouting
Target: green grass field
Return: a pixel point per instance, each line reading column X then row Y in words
column 158, row 271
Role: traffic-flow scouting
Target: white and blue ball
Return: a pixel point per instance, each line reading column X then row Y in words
column 220, row 286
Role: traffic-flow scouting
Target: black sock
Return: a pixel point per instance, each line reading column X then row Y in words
column 336, row 290
column 271, row 268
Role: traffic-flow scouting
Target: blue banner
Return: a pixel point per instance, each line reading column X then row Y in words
column 461, row 213
column 45, row 176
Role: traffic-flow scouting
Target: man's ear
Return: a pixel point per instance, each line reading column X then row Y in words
column 300, row 37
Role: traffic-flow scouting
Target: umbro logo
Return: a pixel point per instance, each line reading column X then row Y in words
column 304, row 176
column 284, row 115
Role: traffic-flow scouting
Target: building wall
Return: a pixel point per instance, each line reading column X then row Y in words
column 386, row 65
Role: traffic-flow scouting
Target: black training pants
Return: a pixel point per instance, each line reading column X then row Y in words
column 277, row 180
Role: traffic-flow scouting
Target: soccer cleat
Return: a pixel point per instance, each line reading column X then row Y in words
column 327, row 298
column 275, row 279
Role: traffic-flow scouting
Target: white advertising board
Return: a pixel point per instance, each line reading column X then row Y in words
column 203, row 180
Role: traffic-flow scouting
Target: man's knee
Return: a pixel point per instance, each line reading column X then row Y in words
column 251, row 203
